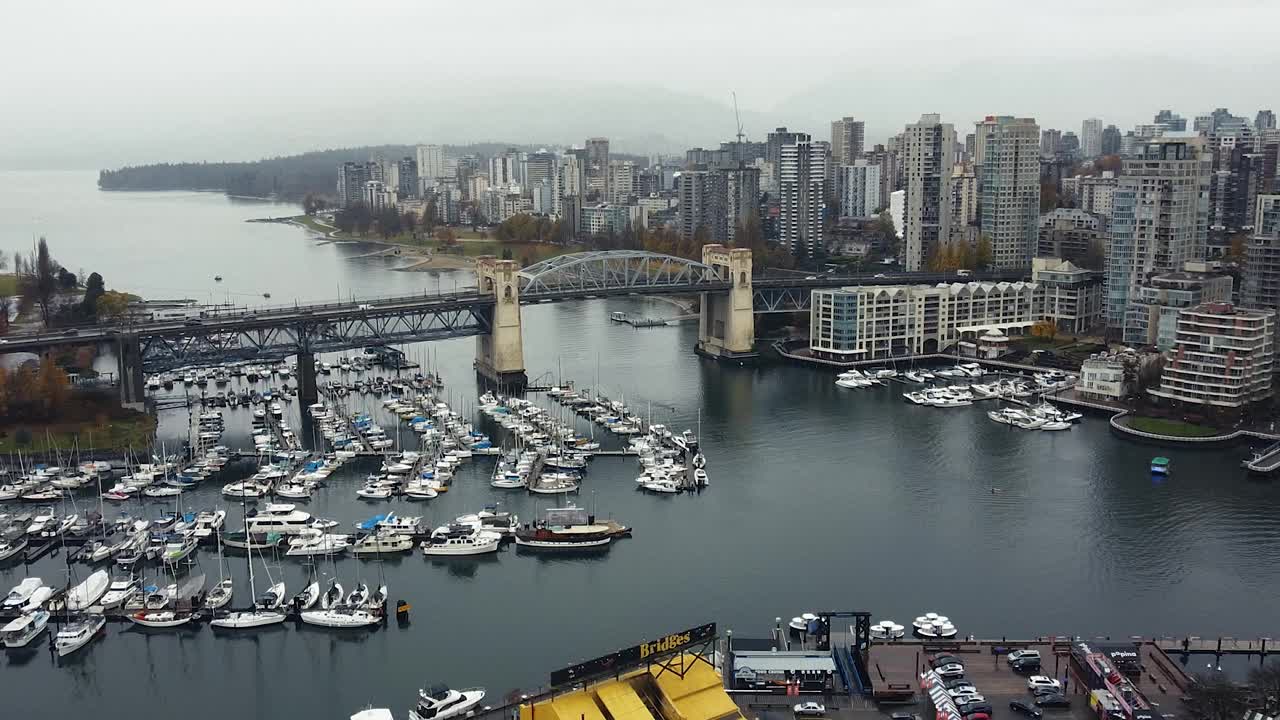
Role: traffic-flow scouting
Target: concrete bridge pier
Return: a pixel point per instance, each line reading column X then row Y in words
column 726, row 323
column 307, row 392
column 500, row 354
column 129, row 372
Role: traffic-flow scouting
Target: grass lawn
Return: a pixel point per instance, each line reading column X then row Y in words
column 137, row 431
column 313, row 223
column 8, row 284
column 1174, row 428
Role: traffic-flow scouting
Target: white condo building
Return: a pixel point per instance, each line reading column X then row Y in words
column 883, row 321
column 858, row 189
column 1222, row 357
column 802, row 194
column 431, row 165
column 1009, row 187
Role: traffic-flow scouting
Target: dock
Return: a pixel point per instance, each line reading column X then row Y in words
column 1194, row 645
column 1266, row 461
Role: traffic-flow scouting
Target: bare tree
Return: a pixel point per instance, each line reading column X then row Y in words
column 1215, row 697
column 1265, row 681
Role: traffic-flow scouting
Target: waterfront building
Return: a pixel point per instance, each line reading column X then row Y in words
column 1260, row 286
column 1072, row 295
column 802, row 196
column 927, row 149
column 431, row 165
column 1160, row 218
column 1151, row 319
column 1069, row 233
column 703, row 204
column 847, row 137
column 1103, row 377
column 353, row 178
column 858, row 189
column 1091, row 138
column 1222, row 358
column 880, row 322
column 1009, row 185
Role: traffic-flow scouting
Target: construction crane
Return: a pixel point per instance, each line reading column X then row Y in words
column 736, row 116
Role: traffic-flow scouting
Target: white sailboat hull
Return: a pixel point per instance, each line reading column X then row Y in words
column 249, row 619
column 339, row 618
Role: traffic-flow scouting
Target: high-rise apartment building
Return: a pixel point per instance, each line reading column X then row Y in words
column 1050, row 142
column 538, row 166
column 1091, row 138
column 742, row 189
column 407, row 184
column 773, row 151
column 1171, row 120
column 703, row 206
column 964, row 200
column 353, row 177
column 622, row 182
column 1160, row 217
column 1260, row 286
column 858, row 189
column 802, row 195
column 1222, row 359
column 927, row 148
column 847, row 137
column 1110, row 140
column 596, row 170
column 1264, row 120
column 431, row 165
column 1009, row 187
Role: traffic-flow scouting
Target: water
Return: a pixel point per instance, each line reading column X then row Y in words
column 821, row 498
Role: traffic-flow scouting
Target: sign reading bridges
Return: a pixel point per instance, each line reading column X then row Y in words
column 625, row 658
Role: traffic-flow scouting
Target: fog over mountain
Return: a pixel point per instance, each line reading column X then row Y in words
column 102, row 85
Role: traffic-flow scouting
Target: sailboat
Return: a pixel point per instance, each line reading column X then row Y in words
column 265, row 610
column 218, row 597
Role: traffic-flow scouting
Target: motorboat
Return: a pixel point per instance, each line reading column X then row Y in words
column 392, row 523
column 175, row 551
column 84, row 595
column 21, row 593
column 295, row 491
column 11, row 547
column 208, row 523
column 318, row 543
column 38, row 598
column 490, row 520
column 459, row 539
column 241, row 540
column 119, row 593
column 19, row 632
column 419, row 490
column 439, row 703
column 157, row 597
column 380, row 543
column 160, row 619
column 75, row 635
column 219, row 595
column 278, row 518
column 887, row 630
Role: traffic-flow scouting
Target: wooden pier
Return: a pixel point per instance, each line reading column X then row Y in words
column 1194, row 645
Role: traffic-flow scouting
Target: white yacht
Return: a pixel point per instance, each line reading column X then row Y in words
column 382, row 543
column 440, row 703
column 398, row 525
column 247, row 619
column 315, row 542
column 76, row 635
column 278, row 518
column 460, row 539
column 340, row 617
column 25, row 628
column 119, row 593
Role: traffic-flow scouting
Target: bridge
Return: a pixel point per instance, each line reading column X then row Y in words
column 731, row 297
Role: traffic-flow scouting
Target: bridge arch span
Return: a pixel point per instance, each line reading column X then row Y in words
column 605, row 270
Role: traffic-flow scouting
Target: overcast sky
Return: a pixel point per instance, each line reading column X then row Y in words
column 91, row 84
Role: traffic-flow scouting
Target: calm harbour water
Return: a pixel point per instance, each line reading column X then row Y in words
column 821, row 498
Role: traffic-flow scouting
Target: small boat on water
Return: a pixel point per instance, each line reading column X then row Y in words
column 382, row 543
column 1160, row 465
column 21, row 593
column 309, row 596
column 160, row 619
column 219, row 595
column 77, row 634
column 459, row 539
column 440, row 703
column 119, row 593
column 340, row 617
column 19, row 632
column 82, row 596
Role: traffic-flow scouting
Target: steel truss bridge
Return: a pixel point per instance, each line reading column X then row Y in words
column 274, row 333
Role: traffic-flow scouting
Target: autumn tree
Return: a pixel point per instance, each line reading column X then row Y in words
column 982, row 255
column 112, row 306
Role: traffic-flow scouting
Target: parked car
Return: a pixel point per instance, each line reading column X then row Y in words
column 1053, row 700
column 953, row 670
column 965, row 689
column 1035, row 683
column 1025, row 665
column 951, row 684
column 1020, row 655
column 943, row 659
column 810, row 709
column 974, row 710
column 904, row 716
column 963, row 701
column 1023, row 707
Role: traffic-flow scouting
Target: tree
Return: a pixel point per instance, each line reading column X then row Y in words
column 45, row 280
column 1048, row 196
column 93, row 289
column 1044, row 329
column 1237, row 252
column 410, row 221
column 446, row 236
column 1265, row 682
column 4, row 260
column 1214, row 697
column 111, row 306
column 1150, row 370
column 982, row 254
column 388, row 223
column 1095, row 257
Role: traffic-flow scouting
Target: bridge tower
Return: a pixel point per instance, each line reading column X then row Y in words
column 726, row 325
column 500, row 354
column 129, row 371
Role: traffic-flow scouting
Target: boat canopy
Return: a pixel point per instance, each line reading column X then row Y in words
column 371, row 522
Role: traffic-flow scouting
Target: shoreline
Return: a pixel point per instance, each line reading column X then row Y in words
column 423, row 260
